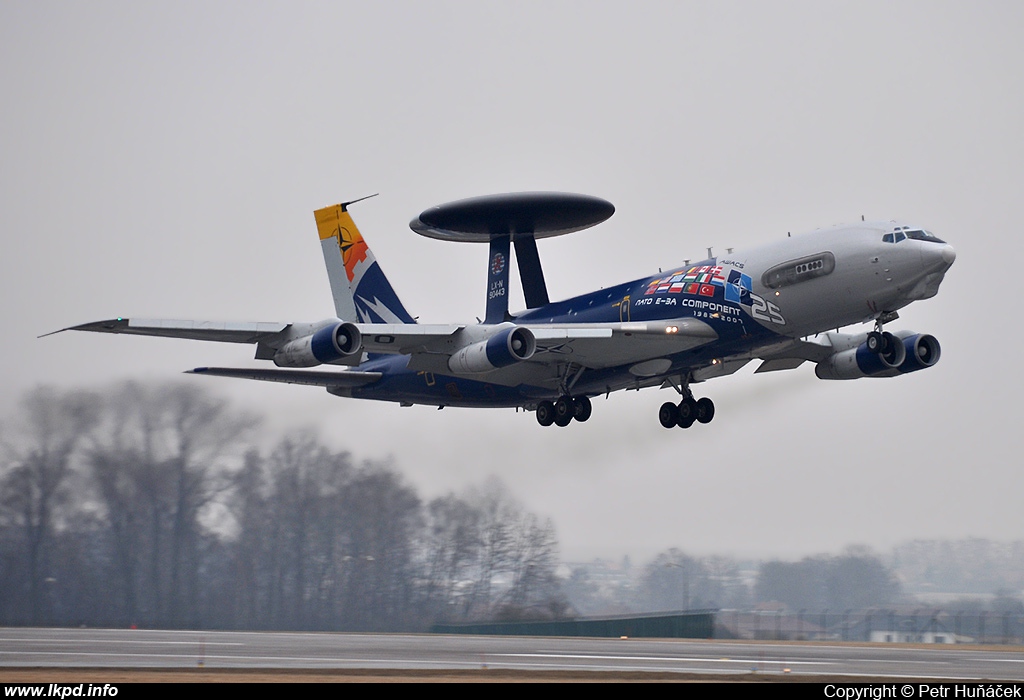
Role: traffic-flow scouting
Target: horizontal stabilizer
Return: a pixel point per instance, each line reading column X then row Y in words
column 219, row 331
column 294, row 376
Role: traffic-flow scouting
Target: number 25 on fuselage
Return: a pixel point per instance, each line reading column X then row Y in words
column 700, row 320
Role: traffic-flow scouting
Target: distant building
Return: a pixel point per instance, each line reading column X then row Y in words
column 904, row 637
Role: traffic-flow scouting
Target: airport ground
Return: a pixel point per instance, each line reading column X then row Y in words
column 120, row 656
column 134, row 675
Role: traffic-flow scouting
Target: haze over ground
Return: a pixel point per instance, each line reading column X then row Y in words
column 163, row 161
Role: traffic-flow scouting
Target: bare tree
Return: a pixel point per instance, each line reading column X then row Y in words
column 452, row 545
column 856, row 579
column 384, row 520
column 497, row 511
column 534, row 590
column 38, row 449
column 303, row 527
column 676, row 581
column 159, row 462
column 516, row 558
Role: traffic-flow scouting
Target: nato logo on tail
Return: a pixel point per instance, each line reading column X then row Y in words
column 361, row 290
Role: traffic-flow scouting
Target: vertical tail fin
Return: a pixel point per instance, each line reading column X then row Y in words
column 360, row 289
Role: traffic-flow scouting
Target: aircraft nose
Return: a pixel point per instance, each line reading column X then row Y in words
column 948, row 254
column 937, row 258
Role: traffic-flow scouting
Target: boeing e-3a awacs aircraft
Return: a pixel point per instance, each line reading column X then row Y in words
column 776, row 304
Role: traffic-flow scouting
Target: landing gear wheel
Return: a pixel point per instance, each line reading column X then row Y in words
column 581, row 408
column 563, row 410
column 875, row 342
column 668, row 415
column 687, row 413
column 705, row 410
column 562, row 421
column 545, row 413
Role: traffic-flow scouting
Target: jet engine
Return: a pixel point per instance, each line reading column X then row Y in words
column 923, row 351
column 508, row 346
column 902, row 353
column 339, row 343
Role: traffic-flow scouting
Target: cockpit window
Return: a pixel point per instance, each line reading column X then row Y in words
column 919, row 235
column 902, row 233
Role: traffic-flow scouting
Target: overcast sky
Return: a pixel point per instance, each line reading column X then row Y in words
column 164, row 160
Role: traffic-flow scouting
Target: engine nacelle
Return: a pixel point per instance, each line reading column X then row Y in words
column 333, row 343
column 506, row 347
column 860, row 361
column 923, row 351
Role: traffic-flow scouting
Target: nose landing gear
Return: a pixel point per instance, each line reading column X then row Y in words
column 886, row 345
column 879, row 341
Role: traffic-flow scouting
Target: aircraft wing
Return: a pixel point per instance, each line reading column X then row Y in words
column 430, row 346
column 349, row 378
column 793, row 353
column 220, row 331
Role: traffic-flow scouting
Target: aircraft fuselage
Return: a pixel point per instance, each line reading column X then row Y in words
column 792, row 288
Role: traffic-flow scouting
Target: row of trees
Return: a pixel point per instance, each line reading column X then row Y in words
column 673, row 580
column 854, row 580
column 150, row 506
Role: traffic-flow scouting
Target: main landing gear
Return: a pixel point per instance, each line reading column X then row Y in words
column 688, row 411
column 564, row 410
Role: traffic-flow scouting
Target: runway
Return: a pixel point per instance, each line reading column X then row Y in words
column 166, row 649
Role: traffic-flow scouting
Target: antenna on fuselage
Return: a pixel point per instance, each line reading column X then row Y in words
column 518, row 218
column 346, row 205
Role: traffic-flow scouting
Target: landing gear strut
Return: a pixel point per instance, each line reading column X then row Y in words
column 878, row 341
column 688, row 411
column 564, row 410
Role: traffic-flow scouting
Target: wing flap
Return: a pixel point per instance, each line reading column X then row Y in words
column 779, row 363
column 592, row 345
column 612, row 344
column 546, row 334
column 793, row 353
column 405, row 338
